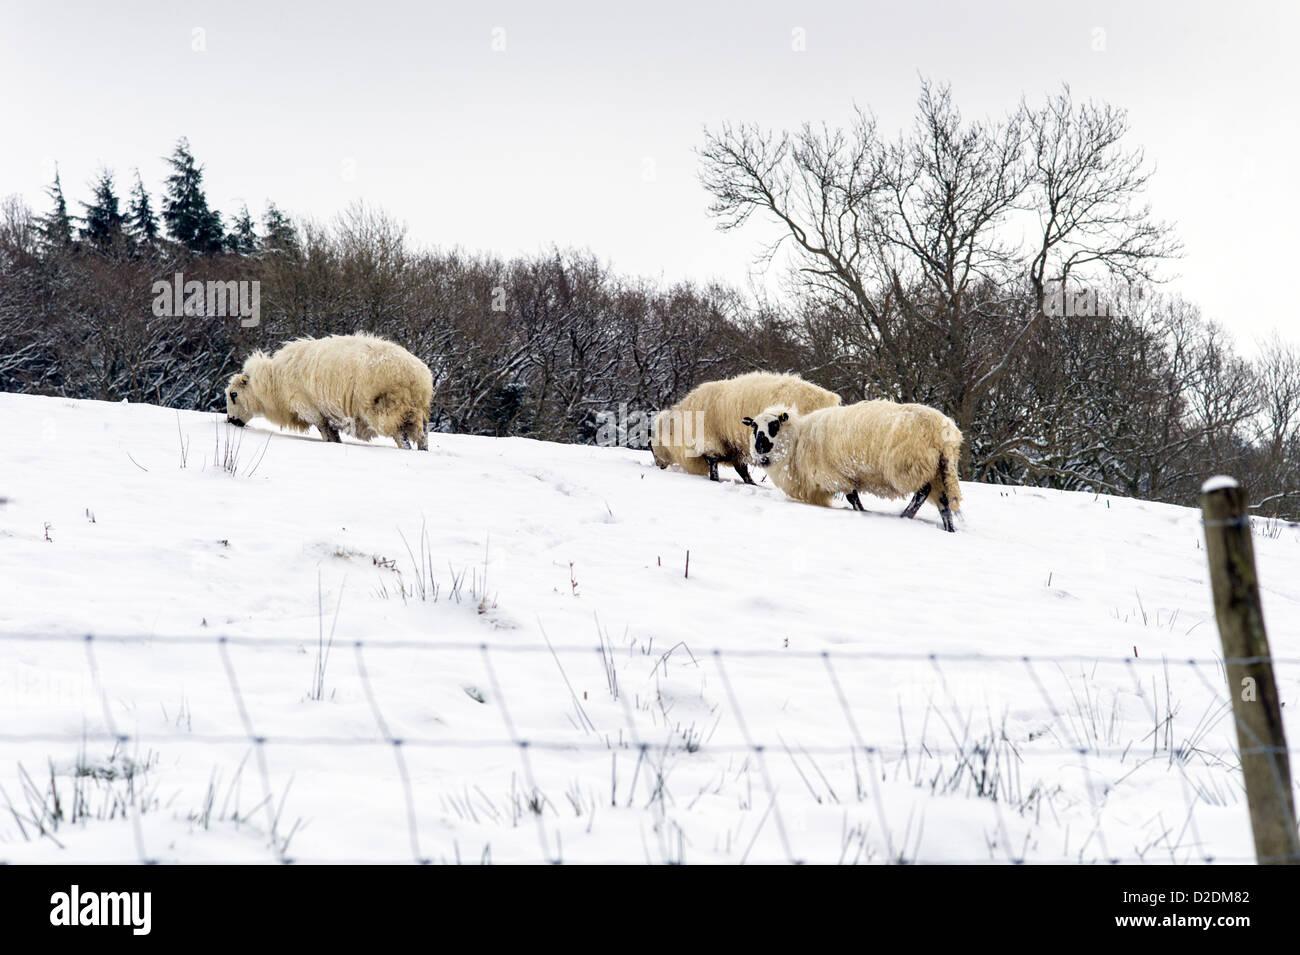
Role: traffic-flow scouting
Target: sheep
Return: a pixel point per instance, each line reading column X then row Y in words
column 881, row 447
column 360, row 384
column 702, row 430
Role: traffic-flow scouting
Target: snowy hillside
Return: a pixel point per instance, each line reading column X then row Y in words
column 802, row 631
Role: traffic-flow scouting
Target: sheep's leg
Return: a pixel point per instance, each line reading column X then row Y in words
column 917, row 500
column 743, row 471
column 854, row 501
column 713, row 468
column 945, row 514
column 412, row 434
column 329, row 432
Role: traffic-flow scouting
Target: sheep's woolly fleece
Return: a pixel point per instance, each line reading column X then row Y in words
column 885, row 449
column 361, row 385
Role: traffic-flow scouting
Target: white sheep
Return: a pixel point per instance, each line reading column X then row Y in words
column 359, row 384
column 703, row 430
column 881, row 447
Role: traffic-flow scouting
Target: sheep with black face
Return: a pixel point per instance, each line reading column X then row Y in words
column 357, row 384
column 703, row 430
column 887, row 449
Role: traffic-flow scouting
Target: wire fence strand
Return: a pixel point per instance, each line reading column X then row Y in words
column 993, row 763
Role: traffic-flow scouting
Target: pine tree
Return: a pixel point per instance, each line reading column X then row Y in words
column 214, row 232
column 103, row 219
column 280, row 235
column 140, row 216
column 185, row 209
column 242, row 238
column 56, row 228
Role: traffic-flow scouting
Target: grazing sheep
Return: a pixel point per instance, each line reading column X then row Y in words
column 886, row 449
column 360, row 384
column 703, row 430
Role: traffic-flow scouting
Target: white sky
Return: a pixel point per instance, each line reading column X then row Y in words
column 407, row 106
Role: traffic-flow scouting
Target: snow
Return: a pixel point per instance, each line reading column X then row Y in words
column 1219, row 482
column 915, row 694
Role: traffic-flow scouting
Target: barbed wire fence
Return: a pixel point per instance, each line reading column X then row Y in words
column 867, row 760
column 848, row 734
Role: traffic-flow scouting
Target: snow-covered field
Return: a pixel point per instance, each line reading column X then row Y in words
column 821, row 686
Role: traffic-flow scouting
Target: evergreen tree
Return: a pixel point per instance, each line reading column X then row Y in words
column 280, row 235
column 102, row 223
column 140, row 215
column 242, row 239
column 185, row 209
column 56, row 228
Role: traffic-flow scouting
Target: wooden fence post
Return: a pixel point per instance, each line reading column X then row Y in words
column 1264, row 759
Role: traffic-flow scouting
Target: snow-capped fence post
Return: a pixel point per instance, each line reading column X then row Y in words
column 1260, row 738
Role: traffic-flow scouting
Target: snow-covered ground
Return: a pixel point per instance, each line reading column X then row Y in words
column 878, row 663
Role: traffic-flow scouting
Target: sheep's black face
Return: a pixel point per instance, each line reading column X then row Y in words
column 764, row 430
column 237, row 411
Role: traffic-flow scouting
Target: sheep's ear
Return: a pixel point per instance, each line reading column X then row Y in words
column 785, row 416
column 747, row 422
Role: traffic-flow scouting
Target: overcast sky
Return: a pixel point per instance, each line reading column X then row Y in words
column 582, row 130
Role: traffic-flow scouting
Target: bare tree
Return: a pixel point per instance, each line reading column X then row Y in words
column 1277, row 426
column 20, row 236
column 1279, row 374
column 911, row 239
column 1084, row 186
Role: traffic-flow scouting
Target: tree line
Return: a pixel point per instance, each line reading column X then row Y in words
column 1059, row 355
